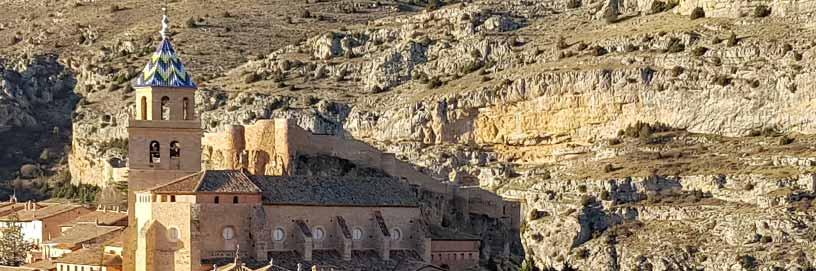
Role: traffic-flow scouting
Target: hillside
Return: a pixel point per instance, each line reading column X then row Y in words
column 674, row 136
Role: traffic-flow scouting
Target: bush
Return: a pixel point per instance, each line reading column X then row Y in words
column 305, row 14
column 676, row 46
column 747, row 262
column 582, row 254
column 434, row 83
column 608, row 168
column 582, row 188
column 699, row 51
column 573, row 3
column 697, row 13
column 722, row 80
column 610, row 15
column 761, row 11
column 677, row 71
column 598, row 51
column 644, row 130
column 605, row 195
column 732, row 40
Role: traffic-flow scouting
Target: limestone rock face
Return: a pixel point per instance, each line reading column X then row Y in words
column 527, row 99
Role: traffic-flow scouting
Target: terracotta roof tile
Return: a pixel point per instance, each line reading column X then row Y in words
column 39, row 212
column 82, row 233
column 91, row 256
column 216, row 181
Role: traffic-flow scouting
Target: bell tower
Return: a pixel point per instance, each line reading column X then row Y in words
column 164, row 133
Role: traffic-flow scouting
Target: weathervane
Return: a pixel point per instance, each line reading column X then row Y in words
column 165, row 21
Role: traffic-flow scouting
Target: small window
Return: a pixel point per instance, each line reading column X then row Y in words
column 175, row 149
column 235, row 199
column 185, row 108
column 396, row 234
column 155, row 152
column 173, row 234
column 228, row 233
column 165, row 108
column 279, row 234
column 173, row 198
column 319, row 233
column 216, row 199
column 357, row 234
column 144, row 108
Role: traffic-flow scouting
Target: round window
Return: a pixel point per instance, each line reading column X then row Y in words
column 279, row 234
column 319, row 234
column 357, row 234
column 396, row 234
column 228, row 233
column 173, row 234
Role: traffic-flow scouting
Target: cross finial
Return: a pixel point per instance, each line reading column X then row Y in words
column 165, row 21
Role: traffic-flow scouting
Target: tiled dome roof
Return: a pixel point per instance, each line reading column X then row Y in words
column 165, row 69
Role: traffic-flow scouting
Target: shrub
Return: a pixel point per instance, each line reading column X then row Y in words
column 573, row 3
column 251, row 78
column 699, row 51
column 677, row 71
column 644, row 130
column 608, row 168
column 762, row 11
column 561, row 44
column 582, row 188
column 582, row 253
column 305, row 14
column 605, row 195
column 747, row 262
column 732, row 40
column 676, row 46
column 433, row 5
column 581, row 46
column 722, row 80
column 697, row 13
column 598, row 51
column 434, row 83
column 586, row 200
column 610, row 15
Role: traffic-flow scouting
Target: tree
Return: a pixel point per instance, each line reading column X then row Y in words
column 13, row 247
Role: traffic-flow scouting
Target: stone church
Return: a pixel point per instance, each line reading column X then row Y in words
column 183, row 218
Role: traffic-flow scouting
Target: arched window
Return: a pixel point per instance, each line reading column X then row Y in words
column 143, row 107
column 279, row 234
column 155, row 152
column 216, row 199
column 235, row 199
column 175, row 149
column 357, row 234
column 185, row 108
column 319, row 233
column 228, row 233
column 173, row 234
column 396, row 234
column 165, row 108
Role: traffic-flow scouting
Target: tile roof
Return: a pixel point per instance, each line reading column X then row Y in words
column 82, row 233
column 40, row 265
column 106, row 218
column 165, row 69
column 216, row 181
column 335, row 191
column 39, row 212
column 90, row 256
